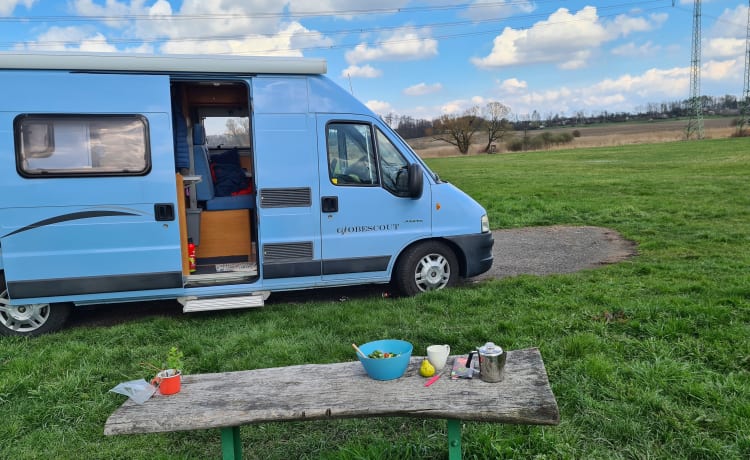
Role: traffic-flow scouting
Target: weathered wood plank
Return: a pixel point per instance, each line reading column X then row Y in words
column 341, row 390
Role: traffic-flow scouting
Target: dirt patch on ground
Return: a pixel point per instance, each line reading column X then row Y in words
column 519, row 251
column 556, row 249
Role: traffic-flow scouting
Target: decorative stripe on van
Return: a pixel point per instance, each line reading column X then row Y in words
column 94, row 285
column 293, row 197
column 69, row 217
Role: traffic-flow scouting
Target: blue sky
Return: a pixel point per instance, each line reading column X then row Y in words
column 425, row 58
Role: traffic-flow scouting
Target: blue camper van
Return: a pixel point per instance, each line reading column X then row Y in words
column 211, row 180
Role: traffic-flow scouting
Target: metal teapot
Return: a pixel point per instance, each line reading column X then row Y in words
column 491, row 362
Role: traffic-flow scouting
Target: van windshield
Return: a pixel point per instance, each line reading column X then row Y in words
column 406, row 145
column 227, row 132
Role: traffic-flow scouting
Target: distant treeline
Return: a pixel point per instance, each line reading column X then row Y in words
column 728, row 105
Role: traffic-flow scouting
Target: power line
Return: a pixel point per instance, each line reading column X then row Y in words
column 125, row 41
column 298, row 14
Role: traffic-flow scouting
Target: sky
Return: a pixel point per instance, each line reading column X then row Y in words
column 426, row 58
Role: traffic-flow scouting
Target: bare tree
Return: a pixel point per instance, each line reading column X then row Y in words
column 458, row 129
column 238, row 131
column 495, row 122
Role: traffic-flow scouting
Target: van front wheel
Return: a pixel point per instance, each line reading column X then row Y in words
column 32, row 319
column 426, row 267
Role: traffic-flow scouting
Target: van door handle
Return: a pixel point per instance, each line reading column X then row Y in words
column 329, row 204
column 163, row 212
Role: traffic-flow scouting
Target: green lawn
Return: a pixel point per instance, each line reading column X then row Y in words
column 669, row 377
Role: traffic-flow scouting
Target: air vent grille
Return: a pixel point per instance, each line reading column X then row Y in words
column 285, row 197
column 287, row 252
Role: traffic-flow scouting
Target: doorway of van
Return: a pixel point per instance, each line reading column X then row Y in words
column 214, row 162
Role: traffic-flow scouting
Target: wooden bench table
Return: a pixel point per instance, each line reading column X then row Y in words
column 342, row 390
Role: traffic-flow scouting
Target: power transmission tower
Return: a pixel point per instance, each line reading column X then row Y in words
column 695, row 123
column 745, row 101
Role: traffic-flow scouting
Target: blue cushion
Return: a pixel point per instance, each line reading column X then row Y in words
column 222, row 203
column 199, row 135
column 205, row 188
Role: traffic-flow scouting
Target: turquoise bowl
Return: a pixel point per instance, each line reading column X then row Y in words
column 386, row 368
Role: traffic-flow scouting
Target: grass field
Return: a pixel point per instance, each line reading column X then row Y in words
column 648, row 358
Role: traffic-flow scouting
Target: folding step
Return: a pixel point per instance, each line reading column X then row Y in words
column 195, row 304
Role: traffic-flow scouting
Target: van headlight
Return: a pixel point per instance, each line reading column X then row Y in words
column 485, row 224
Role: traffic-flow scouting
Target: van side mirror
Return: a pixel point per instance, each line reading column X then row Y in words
column 416, row 181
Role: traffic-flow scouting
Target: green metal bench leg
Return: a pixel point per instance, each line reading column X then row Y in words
column 231, row 446
column 454, row 439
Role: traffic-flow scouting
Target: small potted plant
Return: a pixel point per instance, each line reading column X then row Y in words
column 169, row 379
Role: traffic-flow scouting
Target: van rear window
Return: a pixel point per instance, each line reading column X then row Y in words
column 81, row 145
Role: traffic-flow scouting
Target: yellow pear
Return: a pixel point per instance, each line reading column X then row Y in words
column 426, row 369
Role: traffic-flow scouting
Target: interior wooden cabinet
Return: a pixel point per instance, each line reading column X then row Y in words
column 225, row 234
column 217, row 94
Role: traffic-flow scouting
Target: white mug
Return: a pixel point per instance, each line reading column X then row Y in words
column 438, row 355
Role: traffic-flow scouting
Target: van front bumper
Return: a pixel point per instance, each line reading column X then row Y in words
column 477, row 252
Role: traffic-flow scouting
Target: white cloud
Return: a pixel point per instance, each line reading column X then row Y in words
column 110, row 9
column 568, row 39
column 731, row 69
column 482, row 9
column 366, row 71
column 731, row 23
column 354, row 7
column 662, row 82
column 623, row 25
column 554, row 40
column 284, row 43
column 513, row 85
column 725, row 47
column 623, row 93
column 7, row 6
column 456, row 106
column 632, row 50
column 420, row 89
column 60, row 39
column 233, row 26
column 379, row 107
column 461, row 105
column 402, row 45
column 726, row 38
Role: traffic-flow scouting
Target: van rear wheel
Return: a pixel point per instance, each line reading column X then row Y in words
column 425, row 267
column 32, row 319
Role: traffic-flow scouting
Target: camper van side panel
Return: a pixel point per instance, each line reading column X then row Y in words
column 74, row 219
column 288, row 192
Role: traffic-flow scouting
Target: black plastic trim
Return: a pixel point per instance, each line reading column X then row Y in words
column 94, row 285
column 291, row 269
column 476, row 251
column 328, row 267
column 359, row 265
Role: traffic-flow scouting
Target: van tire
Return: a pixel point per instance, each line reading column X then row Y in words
column 426, row 266
column 16, row 320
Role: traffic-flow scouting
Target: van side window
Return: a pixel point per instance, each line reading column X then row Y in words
column 393, row 167
column 79, row 145
column 351, row 154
